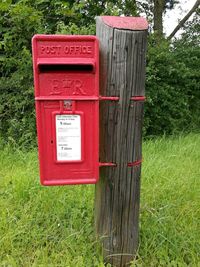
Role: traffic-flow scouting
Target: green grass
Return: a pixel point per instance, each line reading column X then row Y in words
column 53, row 226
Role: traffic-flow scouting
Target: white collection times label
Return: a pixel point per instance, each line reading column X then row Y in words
column 68, row 137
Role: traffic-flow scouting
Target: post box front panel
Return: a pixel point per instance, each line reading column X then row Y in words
column 67, row 108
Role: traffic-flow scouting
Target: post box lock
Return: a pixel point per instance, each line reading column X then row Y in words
column 66, row 81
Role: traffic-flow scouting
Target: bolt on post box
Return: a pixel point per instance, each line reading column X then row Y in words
column 66, row 82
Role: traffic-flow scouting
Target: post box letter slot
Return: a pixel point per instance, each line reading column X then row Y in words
column 66, row 67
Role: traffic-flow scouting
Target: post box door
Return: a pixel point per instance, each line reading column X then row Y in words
column 66, row 78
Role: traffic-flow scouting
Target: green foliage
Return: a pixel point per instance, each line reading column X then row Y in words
column 18, row 22
column 54, row 226
column 172, row 88
column 72, row 28
column 172, row 84
column 191, row 30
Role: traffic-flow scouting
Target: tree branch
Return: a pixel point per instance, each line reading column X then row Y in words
column 181, row 23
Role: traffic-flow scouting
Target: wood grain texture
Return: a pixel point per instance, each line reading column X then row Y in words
column 122, row 73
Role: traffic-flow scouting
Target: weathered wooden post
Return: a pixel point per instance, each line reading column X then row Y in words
column 122, row 76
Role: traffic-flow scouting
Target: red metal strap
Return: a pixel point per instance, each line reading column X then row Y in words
column 135, row 163
column 112, row 98
column 116, row 98
column 111, row 164
column 107, row 164
column 138, row 98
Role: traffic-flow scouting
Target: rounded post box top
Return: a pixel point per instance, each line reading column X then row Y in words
column 128, row 23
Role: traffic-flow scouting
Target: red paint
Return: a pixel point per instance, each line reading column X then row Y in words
column 138, row 98
column 112, row 98
column 66, row 81
column 128, row 23
column 107, row 164
column 135, row 163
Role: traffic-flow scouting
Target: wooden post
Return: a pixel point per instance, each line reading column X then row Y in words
column 122, row 74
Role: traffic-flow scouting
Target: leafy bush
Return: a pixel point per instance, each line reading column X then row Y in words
column 172, row 88
column 172, row 84
column 19, row 22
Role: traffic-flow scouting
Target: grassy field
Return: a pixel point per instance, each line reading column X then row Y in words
column 53, row 226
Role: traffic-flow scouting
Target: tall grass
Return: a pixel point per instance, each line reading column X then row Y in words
column 170, row 203
column 53, row 226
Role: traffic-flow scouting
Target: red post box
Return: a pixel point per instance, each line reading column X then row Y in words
column 66, row 81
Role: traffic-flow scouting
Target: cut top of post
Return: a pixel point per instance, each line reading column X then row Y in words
column 128, row 23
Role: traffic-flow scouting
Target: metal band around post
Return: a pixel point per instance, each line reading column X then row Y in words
column 135, row 163
column 138, row 98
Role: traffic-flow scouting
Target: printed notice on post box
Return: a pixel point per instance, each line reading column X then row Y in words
column 68, row 137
